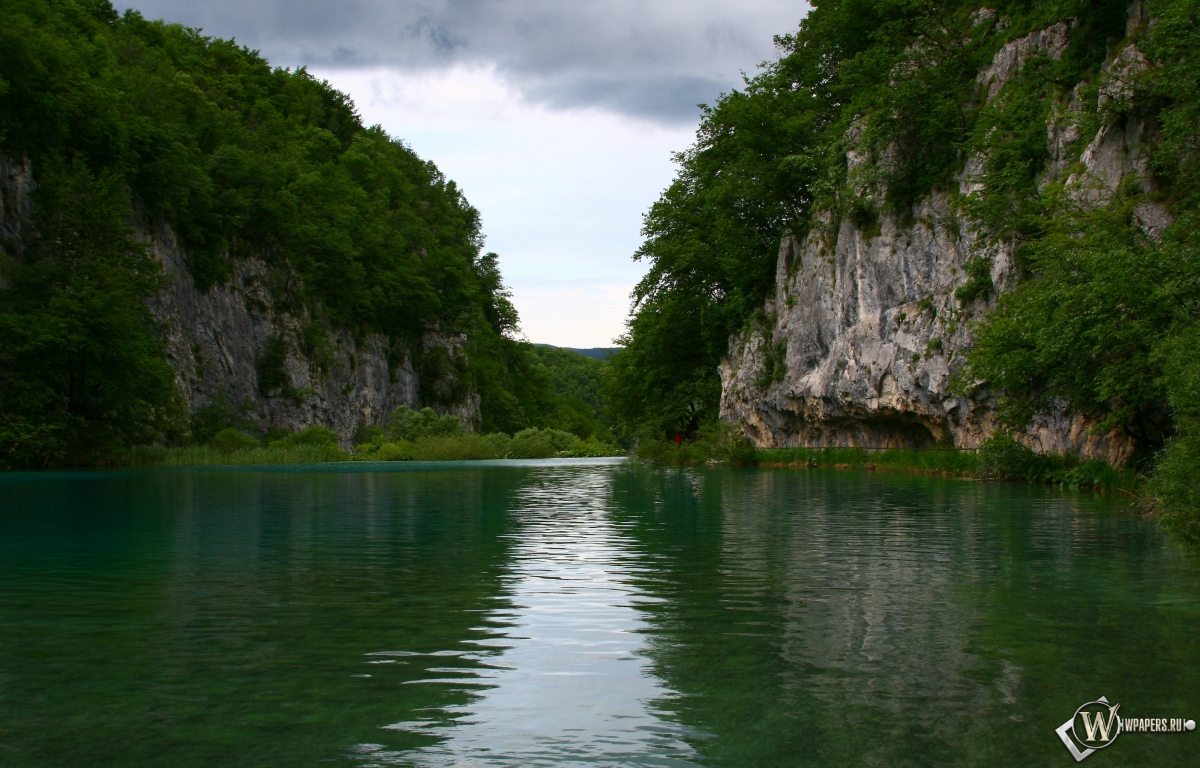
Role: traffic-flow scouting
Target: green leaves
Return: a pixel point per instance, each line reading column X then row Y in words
column 123, row 119
column 1085, row 325
column 81, row 370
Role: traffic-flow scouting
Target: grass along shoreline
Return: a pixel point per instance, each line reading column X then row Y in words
column 999, row 458
column 980, row 465
column 425, row 436
column 409, row 436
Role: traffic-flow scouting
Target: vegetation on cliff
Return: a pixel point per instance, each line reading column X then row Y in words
column 1103, row 314
column 127, row 122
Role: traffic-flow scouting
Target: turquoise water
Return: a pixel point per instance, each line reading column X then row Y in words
column 580, row 612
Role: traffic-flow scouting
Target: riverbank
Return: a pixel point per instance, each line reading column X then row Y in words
column 527, row 444
column 1001, row 458
column 1066, row 471
column 994, row 462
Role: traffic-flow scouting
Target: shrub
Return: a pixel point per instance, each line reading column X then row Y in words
column 407, row 424
column 220, row 413
column 529, row 443
column 229, row 440
column 1003, row 458
column 1174, row 493
column 534, row 443
column 980, row 283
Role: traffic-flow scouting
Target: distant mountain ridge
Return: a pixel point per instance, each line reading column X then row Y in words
column 599, row 353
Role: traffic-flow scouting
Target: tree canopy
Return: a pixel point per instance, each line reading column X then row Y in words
column 129, row 123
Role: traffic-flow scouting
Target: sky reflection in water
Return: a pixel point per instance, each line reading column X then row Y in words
column 548, row 613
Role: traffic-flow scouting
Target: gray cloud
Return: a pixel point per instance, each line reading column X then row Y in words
column 654, row 59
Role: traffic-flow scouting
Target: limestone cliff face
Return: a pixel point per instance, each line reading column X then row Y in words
column 251, row 341
column 240, row 340
column 863, row 331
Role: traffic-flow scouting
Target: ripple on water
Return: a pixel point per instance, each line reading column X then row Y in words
column 551, row 613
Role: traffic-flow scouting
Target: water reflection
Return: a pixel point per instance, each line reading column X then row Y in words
column 835, row 618
column 566, row 680
column 549, row 614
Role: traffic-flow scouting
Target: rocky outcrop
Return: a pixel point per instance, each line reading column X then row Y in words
column 254, row 345
column 860, row 339
column 16, row 204
column 249, row 342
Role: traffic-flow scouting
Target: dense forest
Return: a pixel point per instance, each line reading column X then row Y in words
column 129, row 124
column 1104, row 316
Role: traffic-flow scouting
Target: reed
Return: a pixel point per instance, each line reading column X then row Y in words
column 204, row 455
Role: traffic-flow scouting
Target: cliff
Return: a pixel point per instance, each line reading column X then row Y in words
column 858, row 344
column 250, row 341
column 254, row 342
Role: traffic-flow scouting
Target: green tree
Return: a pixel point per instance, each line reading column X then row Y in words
column 81, row 369
column 894, row 77
column 128, row 120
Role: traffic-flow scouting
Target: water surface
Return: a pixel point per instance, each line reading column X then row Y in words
column 579, row 612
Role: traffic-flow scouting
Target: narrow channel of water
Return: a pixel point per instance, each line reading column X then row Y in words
column 574, row 612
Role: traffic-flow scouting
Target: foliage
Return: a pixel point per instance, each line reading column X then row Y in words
column 1003, row 458
column 1174, row 493
column 894, row 78
column 241, row 158
column 425, row 436
column 81, row 369
column 576, row 381
column 1084, row 327
column 951, row 462
column 979, row 271
column 1096, row 320
column 407, row 424
column 716, row 442
column 272, row 373
column 218, row 414
column 523, row 385
column 163, row 456
column 229, row 440
column 127, row 120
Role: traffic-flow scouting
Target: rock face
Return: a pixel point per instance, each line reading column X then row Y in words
column 269, row 356
column 863, row 331
column 248, row 343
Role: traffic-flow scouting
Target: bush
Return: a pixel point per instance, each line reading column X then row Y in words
column 229, row 440
column 467, row 447
column 407, row 424
column 532, row 443
column 716, row 441
column 207, row 455
column 220, row 413
column 1003, row 458
column 1174, row 494
column 980, row 283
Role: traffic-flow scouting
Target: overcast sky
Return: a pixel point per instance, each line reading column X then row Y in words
column 556, row 118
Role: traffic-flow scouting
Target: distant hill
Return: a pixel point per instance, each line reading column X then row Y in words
column 599, row 353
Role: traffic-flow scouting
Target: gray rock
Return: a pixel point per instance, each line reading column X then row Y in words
column 866, row 323
column 216, row 340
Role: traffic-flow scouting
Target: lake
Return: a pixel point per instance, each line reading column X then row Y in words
column 591, row 612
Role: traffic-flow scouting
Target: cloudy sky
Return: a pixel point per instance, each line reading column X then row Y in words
column 556, row 118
